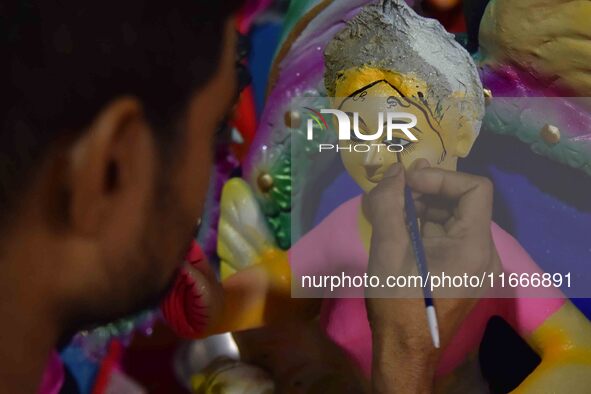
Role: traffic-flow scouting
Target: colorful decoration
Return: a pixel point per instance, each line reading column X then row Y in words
column 96, row 342
column 535, row 49
column 190, row 306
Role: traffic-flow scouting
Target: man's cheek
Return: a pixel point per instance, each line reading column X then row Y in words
column 197, row 176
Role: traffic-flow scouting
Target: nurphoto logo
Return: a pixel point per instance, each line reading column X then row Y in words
column 387, row 121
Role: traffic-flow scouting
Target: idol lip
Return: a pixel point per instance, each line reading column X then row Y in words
column 376, row 178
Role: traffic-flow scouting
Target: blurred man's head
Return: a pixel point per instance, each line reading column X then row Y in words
column 108, row 111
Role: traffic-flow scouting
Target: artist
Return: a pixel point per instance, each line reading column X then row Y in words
column 108, row 115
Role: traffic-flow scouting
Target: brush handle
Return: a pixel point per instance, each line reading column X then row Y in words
column 412, row 223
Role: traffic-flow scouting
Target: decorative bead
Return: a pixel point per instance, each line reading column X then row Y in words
column 550, row 134
column 265, row 182
column 292, row 119
column 487, row 95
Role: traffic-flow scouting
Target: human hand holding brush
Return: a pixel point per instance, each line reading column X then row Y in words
column 455, row 210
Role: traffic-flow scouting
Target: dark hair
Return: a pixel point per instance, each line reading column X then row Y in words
column 62, row 60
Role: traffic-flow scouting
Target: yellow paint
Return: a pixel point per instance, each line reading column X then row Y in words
column 242, row 231
column 353, row 79
column 198, row 381
column 275, row 262
column 256, row 276
column 226, row 270
column 256, row 295
column 564, row 344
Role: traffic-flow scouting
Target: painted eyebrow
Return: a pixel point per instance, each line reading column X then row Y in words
column 362, row 89
column 409, row 102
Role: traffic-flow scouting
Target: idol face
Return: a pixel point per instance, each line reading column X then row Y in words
column 364, row 94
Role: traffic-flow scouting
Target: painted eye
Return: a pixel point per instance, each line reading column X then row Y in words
column 398, row 141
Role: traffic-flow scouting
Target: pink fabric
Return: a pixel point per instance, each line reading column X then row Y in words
column 53, row 377
column 335, row 246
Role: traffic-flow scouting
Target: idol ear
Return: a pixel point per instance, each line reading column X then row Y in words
column 465, row 140
column 464, row 118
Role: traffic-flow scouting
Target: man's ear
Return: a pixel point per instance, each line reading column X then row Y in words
column 112, row 167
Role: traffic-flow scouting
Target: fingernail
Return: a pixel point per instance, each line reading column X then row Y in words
column 393, row 171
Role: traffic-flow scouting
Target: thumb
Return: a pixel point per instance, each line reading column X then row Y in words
column 386, row 204
column 389, row 239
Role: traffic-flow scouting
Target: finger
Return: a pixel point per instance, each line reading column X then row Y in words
column 394, row 170
column 418, row 164
column 386, row 201
column 421, row 208
column 474, row 194
column 437, row 209
column 432, row 214
column 436, row 215
column 431, row 229
column 386, row 207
